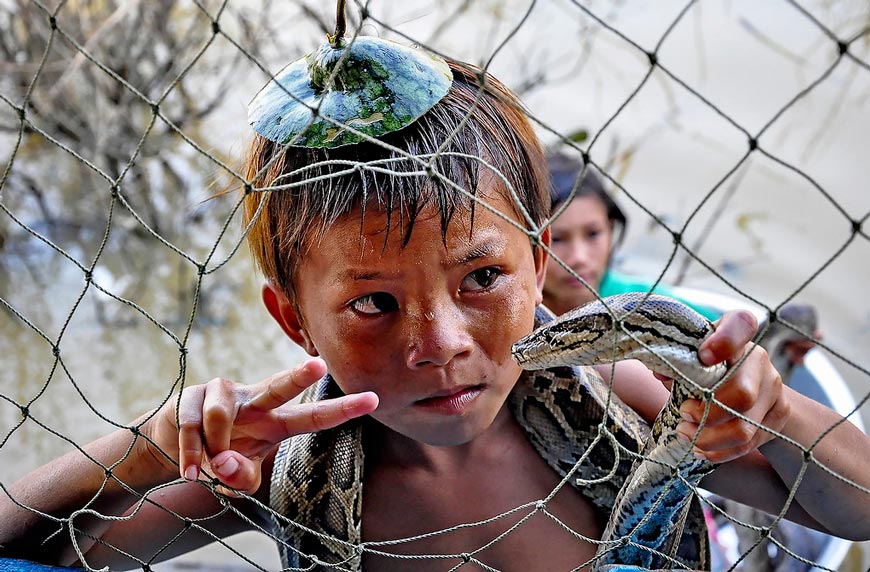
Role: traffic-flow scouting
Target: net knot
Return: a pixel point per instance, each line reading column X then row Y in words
column 856, row 226
column 25, row 411
column 843, row 47
column 653, row 58
column 540, row 505
column 52, row 22
column 466, row 557
column 753, row 144
column 678, row 236
column 55, row 350
column 215, row 27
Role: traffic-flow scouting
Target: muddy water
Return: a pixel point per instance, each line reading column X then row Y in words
column 768, row 233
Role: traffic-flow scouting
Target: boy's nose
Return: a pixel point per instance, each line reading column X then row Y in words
column 436, row 336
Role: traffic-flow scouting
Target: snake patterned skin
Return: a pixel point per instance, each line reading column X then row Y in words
column 664, row 334
column 317, row 481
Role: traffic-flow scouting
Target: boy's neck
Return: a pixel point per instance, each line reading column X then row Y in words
column 395, row 449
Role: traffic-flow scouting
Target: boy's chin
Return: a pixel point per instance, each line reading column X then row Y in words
column 448, row 432
column 450, row 438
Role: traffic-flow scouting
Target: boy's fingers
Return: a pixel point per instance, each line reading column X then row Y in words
column 733, row 332
column 320, row 415
column 218, row 415
column 727, row 441
column 190, row 431
column 280, row 388
column 237, row 471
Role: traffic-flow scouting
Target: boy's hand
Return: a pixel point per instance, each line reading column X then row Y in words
column 755, row 390
column 234, row 426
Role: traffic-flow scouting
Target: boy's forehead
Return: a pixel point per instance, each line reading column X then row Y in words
column 379, row 217
column 376, row 228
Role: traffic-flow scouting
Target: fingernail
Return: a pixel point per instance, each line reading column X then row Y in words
column 228, row 468
column 699, row 454
column 191, row 473
column 706, row 356
column 687, row 417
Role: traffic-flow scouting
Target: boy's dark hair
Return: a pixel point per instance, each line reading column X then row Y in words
column 564, row 171
column 490, row 124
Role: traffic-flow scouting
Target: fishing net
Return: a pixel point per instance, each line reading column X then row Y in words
column 732, row 134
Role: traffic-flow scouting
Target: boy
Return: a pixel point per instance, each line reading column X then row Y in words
column 412, row 295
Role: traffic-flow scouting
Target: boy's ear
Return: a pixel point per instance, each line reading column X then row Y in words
column 285, row 314
column 541, row 257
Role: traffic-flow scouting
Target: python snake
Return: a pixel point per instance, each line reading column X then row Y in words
column 664, row 335
column 317, row 482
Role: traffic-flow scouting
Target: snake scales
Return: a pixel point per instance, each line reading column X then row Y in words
column 664, row 335
column 317, row 480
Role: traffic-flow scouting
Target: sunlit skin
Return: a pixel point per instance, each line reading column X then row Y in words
column 581, row 238
column 414, row 323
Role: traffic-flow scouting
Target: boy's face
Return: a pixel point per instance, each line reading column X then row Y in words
column 428, row 327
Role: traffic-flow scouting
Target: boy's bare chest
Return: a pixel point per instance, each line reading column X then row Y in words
column 438, row 509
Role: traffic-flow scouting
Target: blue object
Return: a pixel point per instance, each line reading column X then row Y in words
column 16, row 565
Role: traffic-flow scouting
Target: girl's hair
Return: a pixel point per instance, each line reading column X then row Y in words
column 296, row 193
column 564, row 171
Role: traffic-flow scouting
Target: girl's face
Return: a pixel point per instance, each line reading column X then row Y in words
column 581, row 238
column 428, row 326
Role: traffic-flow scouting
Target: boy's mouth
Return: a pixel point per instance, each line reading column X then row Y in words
column 452, row 402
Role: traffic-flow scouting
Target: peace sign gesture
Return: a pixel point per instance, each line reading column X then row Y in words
column 233, row 426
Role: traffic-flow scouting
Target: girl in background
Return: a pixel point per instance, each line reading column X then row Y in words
column 584, row 237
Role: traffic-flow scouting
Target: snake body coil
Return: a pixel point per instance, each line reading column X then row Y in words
column 664, row 334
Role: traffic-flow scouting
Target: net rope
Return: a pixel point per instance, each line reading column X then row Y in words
column 108, row 218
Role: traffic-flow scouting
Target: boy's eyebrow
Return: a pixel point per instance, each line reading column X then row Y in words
column 487, row 247
column 355, row 274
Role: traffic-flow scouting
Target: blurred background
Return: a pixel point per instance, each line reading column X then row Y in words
column 122, row 125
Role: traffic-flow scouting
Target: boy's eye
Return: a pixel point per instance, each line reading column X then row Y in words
column 377, row 303
column 480, row 279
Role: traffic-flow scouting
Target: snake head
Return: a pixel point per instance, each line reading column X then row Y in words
column 567, row 340
column 661, row 332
